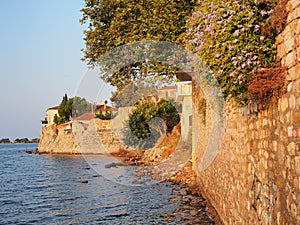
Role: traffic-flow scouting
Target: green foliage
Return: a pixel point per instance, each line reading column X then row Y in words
column 168, row 112
column 5, row 141
column 132, row 94
column 21, row 140
column 105, row 115
column 75, row 106
column 56, row 119
column 202, row 110
column 145, row 125
column 80, row 106
column 231, row 38
column 65, row 109
column 116, row 23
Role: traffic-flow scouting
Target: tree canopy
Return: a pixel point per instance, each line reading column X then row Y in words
column 80, row 106
column 65, row 109
column 145, row 125
column 75, row 106
column 132, row 93
column 115, row 23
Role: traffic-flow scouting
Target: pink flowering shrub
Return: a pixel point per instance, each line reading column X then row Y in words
column 230, row 37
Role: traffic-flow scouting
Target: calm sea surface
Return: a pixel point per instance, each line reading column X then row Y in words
column 47, row 189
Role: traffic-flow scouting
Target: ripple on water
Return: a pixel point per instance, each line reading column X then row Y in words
column 47, row 189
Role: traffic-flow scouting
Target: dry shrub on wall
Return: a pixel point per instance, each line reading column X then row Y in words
column 277, row 21
column 267, row 85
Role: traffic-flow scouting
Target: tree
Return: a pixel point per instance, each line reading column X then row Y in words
column 145, row 123
column 75, row 106
column 56, row 119
column 5, row 140
column 80, row 106
column 65, row 109
column 116, row 23
column 132, row 93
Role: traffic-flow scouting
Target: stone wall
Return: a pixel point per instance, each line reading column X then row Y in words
column 85, row 137
column 55, row 139
column 255, row 178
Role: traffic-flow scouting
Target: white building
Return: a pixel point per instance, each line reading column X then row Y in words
column 50, row 113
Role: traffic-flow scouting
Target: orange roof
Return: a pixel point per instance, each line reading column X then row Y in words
column 168, row 88
column 101, row 107
column 86, row 116
column 53, row 108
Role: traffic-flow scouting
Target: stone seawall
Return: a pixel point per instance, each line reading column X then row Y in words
column 80, row 137
column 55, row 139
column 255, row 178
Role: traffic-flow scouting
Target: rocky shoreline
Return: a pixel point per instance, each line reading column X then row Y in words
column 196, row 208
column 148, row 166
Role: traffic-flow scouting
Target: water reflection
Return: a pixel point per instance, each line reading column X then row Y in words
column 47, row 189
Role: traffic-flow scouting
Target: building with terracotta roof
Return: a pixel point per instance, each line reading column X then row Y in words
column 181, row 92
column 168, row 92
column 49, row 118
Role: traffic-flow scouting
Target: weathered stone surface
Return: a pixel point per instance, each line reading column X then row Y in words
column 256, row 174
column 295, row 12
column 289, row 42
column 294, row 72
column 281, row 50
column 297, row 165
column 87, row 137
column 292, row 4
column 283, row 104
column 54, row 139
column 296, row 117
column 290, row 60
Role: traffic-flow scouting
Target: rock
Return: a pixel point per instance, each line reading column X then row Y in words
column 139, row 174
column 35, row 151
column 111, row 165
column 84, row 181
column 120, row 164
column 136, row 182
column 194, row 212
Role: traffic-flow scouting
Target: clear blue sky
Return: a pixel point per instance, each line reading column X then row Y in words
column 40, row 46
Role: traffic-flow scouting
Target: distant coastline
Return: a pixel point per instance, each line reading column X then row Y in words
column 19, row 141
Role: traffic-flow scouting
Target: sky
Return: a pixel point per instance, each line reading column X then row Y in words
column 40, row 61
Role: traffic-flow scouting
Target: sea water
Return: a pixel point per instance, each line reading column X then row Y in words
column 48, row 189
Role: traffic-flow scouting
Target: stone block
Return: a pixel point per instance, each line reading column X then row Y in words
column 294, row 27
column 294, row 209
column 294, row 12
column 296, row 86
column 292, row 101
column 275, row 146
column 290, row 87
column 296, row 117
column 294, row 72
column 290, row 60
column 291, row 148
column 294, row 3
column 281, row 50
column 289, row 42
column 283, row 104
column 297, row 165
column 286, row 32
column 298, row 51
